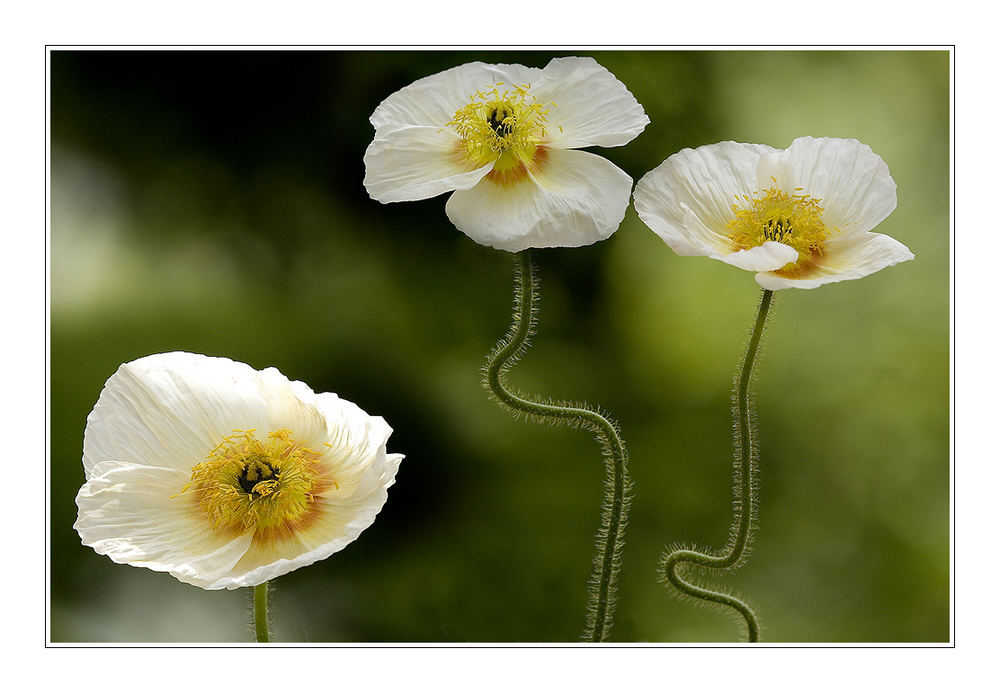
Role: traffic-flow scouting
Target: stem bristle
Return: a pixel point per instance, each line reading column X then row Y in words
column 602, row 596
column 678, row 562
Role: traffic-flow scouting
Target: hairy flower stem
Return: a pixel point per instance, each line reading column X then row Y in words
column 745, row 496
column 614, row 509
column 260, row 613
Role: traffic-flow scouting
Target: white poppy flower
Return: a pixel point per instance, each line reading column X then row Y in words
column 799, row 217
column 504, row 138
column 224, row 476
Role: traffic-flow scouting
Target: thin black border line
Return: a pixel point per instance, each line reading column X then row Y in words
column 46, row 356
column 502, row 47
column 953, row 235
column 953, row 617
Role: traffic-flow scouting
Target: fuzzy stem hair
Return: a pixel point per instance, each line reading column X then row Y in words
column 678, row 562
column 262, row 628
column 617, row 485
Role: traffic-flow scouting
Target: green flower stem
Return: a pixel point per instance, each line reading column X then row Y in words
column 744, row 503
column 260, row 614
column 614, row 515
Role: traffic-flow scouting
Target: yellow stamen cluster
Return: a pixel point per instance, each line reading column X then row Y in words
column 774, row 215
column 502, row 127
column 247, row 483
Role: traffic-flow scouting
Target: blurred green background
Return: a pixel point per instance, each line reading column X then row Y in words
column 213, row 202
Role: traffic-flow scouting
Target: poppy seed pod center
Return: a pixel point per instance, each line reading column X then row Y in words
column 500, row 120
column 257, row 469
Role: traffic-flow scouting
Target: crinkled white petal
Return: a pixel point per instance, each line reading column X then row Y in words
column 130, row 513
column 687, row 200
column 160, row 416
column 851, row 181
column 587, row 105
column 417, row 162
column 353, row 441
column 433, row 100
column 576, row 199
column 293, row 406
column 770, row 256
column 849, row 257
column 170, row 410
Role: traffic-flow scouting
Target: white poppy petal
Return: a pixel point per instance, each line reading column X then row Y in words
column 433, row 100
column 687, row 200
column 220, row 491
column 576, row 198
column 849, row 257
column 770, row 256
column 415, row 163
column 353, row 440
column 761, row 209
column 292, row 406
column 851, row 181
column 169, row 410
column 467, row 128
column 588, row 106
column 132, row 514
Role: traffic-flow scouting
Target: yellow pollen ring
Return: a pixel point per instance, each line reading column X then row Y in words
column 775, row 215
column 506, row 128
column 248, row 484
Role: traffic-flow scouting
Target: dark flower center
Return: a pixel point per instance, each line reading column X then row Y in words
column 256, row 468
